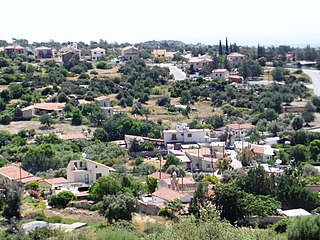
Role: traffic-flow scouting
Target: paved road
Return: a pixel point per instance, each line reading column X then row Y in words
column 315, row 77
column 177, row 72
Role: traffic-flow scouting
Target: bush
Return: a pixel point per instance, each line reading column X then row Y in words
column 304, row 228
column 61, row 199
column 34, row 185
column 138, row 160
column 281, row 226
column 103, row 65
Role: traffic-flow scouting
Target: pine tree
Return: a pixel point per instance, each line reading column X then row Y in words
column 220, row 49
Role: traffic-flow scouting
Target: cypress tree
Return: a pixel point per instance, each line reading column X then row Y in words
column 227, row 47
column 220, row 48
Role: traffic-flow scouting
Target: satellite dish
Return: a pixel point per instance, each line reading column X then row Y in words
column 84, row 155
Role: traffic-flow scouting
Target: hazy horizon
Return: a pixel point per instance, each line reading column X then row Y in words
column 245, row 22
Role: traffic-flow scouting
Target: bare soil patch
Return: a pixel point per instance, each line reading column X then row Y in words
column 63, row 128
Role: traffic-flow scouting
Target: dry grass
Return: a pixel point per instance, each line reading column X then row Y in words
column 64, row 128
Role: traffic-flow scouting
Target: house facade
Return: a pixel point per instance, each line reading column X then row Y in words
column 104, row 103
column 220, row 74
column 183, row 134
column 236, row 58
column 197, row 62
column 130, row 53
column 86, row 171
column 42, row 52
column 97, row 54
column 11, row 50
column 240, row 130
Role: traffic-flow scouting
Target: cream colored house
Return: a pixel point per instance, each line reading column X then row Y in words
column 130, row 53
column 86, row 171
column 97, row 54
column 236, row 57
column 220, row 74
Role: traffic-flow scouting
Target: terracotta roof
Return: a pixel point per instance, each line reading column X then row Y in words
column 236, row 126
column 73, row 136
column 97, row 49
column 235, row 54
column 158, row 52
column 101, row 98
column 101, row 165
column 15, row 173
column 42, row 48
column 257, row 149
column 169, row 54
column 129, row 47
column 186, row 180
column 49, row 106
column 13, row 47
column 168, row 194
column 156, row 175
column 55, row 180
column 219, row 70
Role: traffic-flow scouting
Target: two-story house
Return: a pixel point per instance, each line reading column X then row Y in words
column 97, row 54
column 86, row 171
column 236, row 58
column 130, row 53
column 10, row 50
column 104, row 103
column 183, row 134
column 43, row 52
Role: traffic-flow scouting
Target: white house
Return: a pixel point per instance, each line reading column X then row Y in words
column 86, row 171
column 183, row 134
column 240, row 130
column 220, row 74
column 130, row 53
column 97, row 54
column 264, row 153
column 236, row 57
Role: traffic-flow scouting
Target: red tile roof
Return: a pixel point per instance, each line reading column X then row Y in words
column 55, row 180
column 237, row 126
column 168, row 194
column 15, row 173
column 257, row 149
column 49, row 106
column 13, row 47
column 156, row 175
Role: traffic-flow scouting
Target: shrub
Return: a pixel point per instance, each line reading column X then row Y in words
column 61, row 199
column 304, row 228
column 103, row 65
column 34, row 185
column 138, row 160
column 282, row 225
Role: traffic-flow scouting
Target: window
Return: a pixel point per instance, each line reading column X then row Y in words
column 220, row 74
column 174, row 136
column 182, row 134
column 208, row 165
column 98, row 175
column 80, row 164
column 86, row 178
column 189, row 135
column 95, row 52
column 75, row 164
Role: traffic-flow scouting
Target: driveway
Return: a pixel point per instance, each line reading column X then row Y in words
column 175, row 71
column 315, row 77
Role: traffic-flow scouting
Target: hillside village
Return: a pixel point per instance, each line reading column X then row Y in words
column 131, row 136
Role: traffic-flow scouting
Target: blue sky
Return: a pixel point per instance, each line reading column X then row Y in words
column 192, row 21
